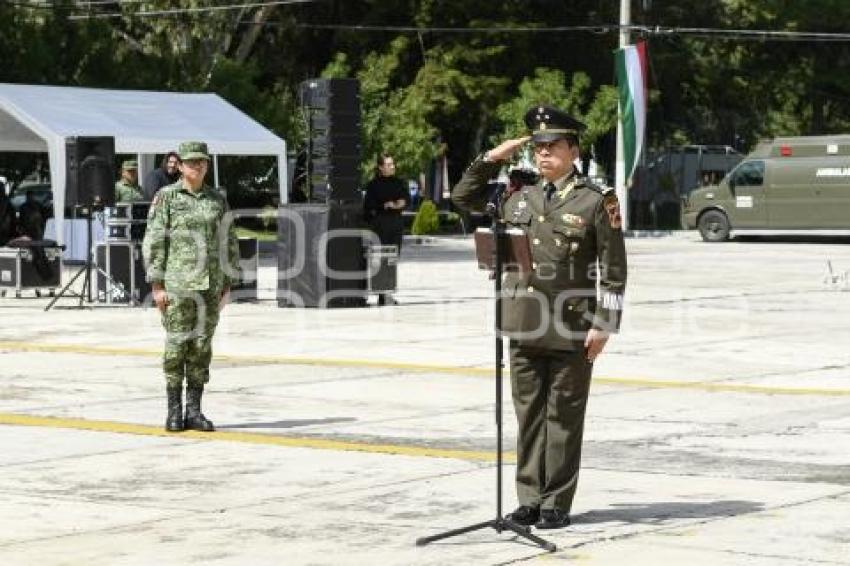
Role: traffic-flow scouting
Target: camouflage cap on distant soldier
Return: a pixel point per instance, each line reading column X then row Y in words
column 193, row 150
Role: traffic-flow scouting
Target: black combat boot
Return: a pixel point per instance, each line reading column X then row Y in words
column 195, row 419
column 174, row 421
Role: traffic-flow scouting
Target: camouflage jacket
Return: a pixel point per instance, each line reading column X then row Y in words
column 576, row 239
column 187, row 246
column 125, row 192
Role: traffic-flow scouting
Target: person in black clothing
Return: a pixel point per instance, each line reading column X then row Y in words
column 166, row 174
column 32, row 218
column 7, row 217
column 386, row 198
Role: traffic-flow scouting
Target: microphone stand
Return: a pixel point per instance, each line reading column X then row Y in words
column 500, row 523
column 85, row 294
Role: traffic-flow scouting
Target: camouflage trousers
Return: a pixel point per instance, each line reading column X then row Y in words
column 190, row 320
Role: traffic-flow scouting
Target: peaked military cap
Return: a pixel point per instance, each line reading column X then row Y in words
column 548, row 124
column 193, row 150
column 130, row 164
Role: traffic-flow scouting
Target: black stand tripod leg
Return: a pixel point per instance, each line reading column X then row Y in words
column 64, row 290
column 498, row 524
column 87, row 268
column 425, row 540
column 525, row 532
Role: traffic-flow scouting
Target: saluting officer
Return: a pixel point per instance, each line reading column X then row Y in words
column 127, row 188
column 556, row 323
column 191, row 262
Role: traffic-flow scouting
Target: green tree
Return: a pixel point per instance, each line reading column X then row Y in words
column 549, row 87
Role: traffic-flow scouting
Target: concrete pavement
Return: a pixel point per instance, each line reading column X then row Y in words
column 717, row 428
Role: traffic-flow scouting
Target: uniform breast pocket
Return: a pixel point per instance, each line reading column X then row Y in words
column 180, row 215
column 519, row 217
column 208, row 216
column 568, row 240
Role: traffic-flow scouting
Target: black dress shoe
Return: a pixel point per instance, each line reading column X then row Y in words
column 524, row 515
column 553, row 519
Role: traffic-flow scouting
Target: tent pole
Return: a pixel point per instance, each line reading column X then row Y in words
column 283, row 177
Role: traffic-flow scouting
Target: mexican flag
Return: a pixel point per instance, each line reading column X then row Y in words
column 631, row 83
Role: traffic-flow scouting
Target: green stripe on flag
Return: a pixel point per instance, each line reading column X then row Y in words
column 627, row 109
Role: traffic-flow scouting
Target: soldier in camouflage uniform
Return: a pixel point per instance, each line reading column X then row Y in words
column 127, row 188
column 556, row 323
column 191, row 262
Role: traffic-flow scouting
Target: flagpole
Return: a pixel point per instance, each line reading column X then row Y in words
column 620, row 167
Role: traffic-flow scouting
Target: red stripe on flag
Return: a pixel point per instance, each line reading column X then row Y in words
column 641, row 51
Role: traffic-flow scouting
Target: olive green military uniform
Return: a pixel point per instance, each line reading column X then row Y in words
column 186, row 251
column 125, row 192
column 546, row 315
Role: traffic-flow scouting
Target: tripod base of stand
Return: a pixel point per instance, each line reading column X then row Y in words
column 499, row 525
column 66, row 290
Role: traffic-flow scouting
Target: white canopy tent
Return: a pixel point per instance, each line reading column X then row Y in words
column 145, row 123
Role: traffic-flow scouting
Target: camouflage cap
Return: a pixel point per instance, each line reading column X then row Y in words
column 130, row 164
column 193, row 150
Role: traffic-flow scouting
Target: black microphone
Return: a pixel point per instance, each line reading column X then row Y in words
column 494, row 197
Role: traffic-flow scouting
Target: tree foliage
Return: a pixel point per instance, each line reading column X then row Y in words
column 437, row 91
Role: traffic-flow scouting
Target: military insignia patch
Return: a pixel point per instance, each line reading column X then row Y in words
column 612, row 207
column 572, row 219
column 152, row 209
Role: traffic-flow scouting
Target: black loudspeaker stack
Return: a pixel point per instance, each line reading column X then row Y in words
column 332, row 110
column 90, row 171
column 320, row 256
column 320, row 243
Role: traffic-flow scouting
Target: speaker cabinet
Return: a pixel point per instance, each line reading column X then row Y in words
column 90, row 172
column 121, row 273
column 320, row 255
column 333, row 153
column 334, row 96
column 245, row 289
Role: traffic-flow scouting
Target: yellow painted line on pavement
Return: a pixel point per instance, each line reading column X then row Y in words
column 713, row 386
column 245, row 358
column 425, row 368
column 15, row 419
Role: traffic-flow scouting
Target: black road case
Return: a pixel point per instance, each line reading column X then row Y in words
column 37, row 266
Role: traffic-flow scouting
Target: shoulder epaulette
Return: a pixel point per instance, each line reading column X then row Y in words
column 596, row 188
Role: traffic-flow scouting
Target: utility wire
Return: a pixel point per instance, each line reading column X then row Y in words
column 658, row 31
column 196, row 10
column 87, row 3
column 755, row 35
column 79, row 5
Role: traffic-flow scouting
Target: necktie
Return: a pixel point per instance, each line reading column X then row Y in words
column 550, row 190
